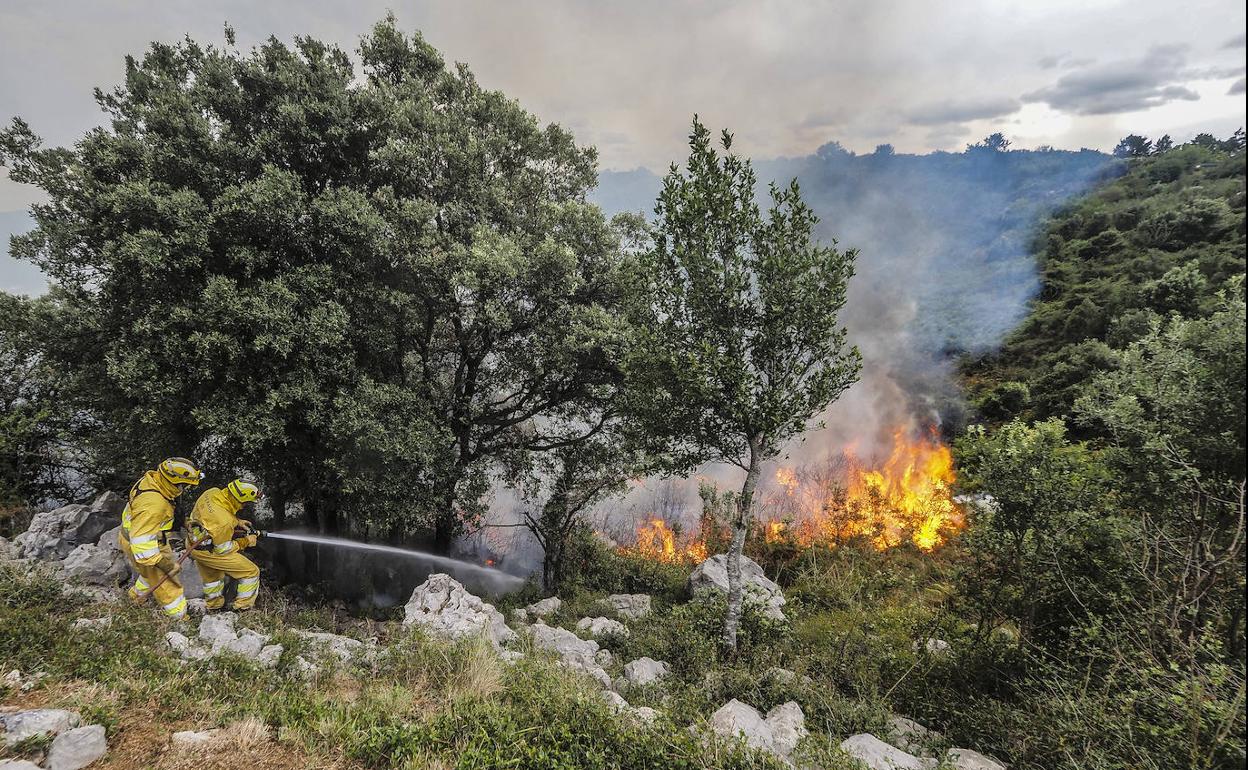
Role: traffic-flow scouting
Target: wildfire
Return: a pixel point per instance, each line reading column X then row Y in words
column 656, row 540
column 908, row 497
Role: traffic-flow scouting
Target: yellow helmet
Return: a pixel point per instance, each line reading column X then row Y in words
column 179, row 470
column 243, row 491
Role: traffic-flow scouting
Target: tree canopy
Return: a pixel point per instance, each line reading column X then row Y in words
column 365, row 287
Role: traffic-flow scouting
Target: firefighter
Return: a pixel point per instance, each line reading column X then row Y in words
column 145, row 525
column 221, row 536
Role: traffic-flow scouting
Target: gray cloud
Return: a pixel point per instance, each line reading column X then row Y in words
column 785, row 77
column 1239, row 41
column 962, row 111
column 1122, row 86
column 1236, row 88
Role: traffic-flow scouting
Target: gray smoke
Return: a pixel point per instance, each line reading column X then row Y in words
column 946, row 267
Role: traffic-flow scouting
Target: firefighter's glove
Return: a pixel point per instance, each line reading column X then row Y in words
column 251, row 539
column 168, row 566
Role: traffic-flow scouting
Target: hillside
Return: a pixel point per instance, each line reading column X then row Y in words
column 1162, row 239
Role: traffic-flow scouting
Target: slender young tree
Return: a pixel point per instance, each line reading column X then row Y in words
column 742, row 345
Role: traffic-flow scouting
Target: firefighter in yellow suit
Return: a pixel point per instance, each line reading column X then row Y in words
column 219, row 552
column 145, row 525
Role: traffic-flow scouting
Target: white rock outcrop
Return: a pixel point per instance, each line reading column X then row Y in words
column 444, row 607
column 778, row 732
column 602, row 627
column 544, row 608
column 217, row 634
column 712, row 576
column 20, row 725
column 631, row 606
column 77, row 748
column 576, row 653
column 641, row 672
column 96, row 565
column 878, row 755
column 52, row 535
column 910, row 736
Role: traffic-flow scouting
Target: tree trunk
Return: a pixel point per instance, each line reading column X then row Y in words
column 277, row 501
column 445, row 522
column 740, row 529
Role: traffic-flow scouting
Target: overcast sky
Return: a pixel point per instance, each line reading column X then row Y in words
column 786, row 76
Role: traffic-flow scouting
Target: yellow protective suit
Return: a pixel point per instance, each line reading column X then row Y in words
column 216, row 515
column 145, row 523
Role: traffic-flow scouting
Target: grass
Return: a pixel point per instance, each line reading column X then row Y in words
column 419, row 703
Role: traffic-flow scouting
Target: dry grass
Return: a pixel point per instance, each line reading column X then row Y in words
column 481, row 674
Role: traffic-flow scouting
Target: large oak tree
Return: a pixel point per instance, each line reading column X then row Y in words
column 365, row 285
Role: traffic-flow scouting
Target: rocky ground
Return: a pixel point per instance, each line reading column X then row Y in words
column 78, row 545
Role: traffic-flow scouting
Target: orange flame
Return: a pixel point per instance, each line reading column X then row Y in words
column 908, row 497
column 656, row 540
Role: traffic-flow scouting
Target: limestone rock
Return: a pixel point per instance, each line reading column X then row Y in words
column 614, row 700
column 544, row 608
column 342, row 647
column 935, row 647
column 9, row 550
column 248, row 644
column 191, row 739
column 269, row 656
column 712, row 576
column 519, row 615
column 77, row 748
column 93, row 624
column 630, row 606
column 576, row 653
column 645, row 715
column 218, row 630
column 641, row 672
column 878, row 755
column 602, row 627
column 96, row 566
column 779, row 732
column 909, row 735
column 54, row 534
column 444, row 607
column 24, row 724
column 18, row 764
column 109, row 539
column 965, row 759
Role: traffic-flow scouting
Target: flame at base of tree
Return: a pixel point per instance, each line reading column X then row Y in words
column 906, row 498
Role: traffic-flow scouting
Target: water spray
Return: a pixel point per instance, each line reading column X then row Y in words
column 444, row 562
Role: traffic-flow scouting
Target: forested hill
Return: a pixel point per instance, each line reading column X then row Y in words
column 945, row 238
column 1165, row 238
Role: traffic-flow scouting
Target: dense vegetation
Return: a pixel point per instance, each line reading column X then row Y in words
column 1162, row 239
column 376, row 291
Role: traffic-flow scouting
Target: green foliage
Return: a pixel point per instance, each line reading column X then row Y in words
column 743, row 344
column 1045, row 548
column 37, row 461
column 366, row 287
column 596, row 567
column 740, row 345
column 1163, row 238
